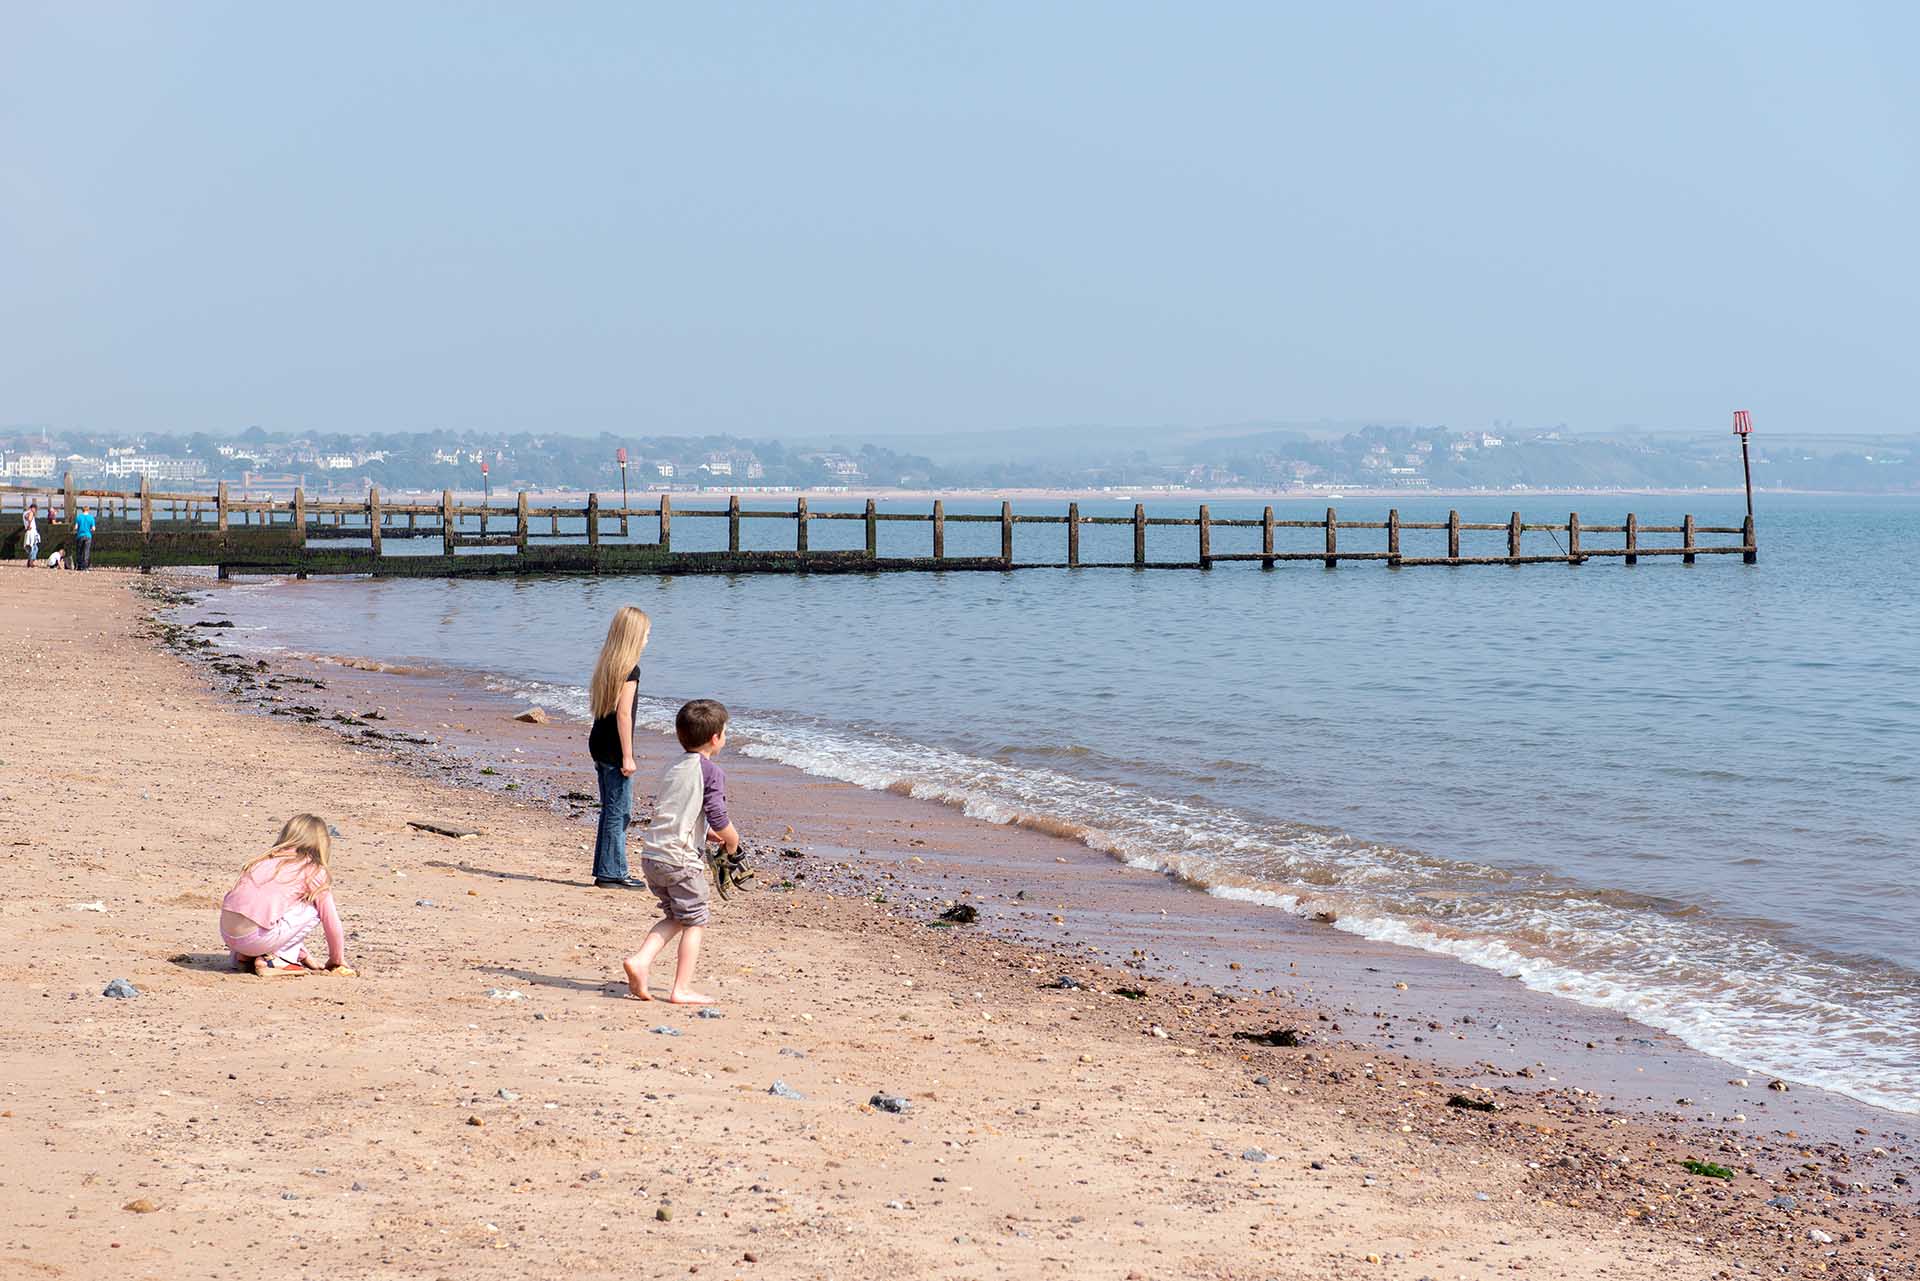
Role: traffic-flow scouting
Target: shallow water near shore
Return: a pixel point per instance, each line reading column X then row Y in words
column 1685, row 793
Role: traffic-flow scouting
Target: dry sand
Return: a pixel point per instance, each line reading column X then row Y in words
column 482, row 1102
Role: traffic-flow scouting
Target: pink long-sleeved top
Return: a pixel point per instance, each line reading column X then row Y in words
column 273, row 885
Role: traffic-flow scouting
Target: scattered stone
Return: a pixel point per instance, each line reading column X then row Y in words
column 1255, row 1154
column 1284, row 1037
column 1783, row 1203
column 1159, row 1033
column 749, row 1257
column 889, row 1103
column 663, row 1213
column 142, row 1206
column 664, row 1030
column 1066, row 983
column 1263, row 1080
column 781, row 1090
column 475, row 1121
column 90, row 907
column 708, row 1012
column 504, row 1093
column 1472, row 1104
column 1131, row 993
column 896, row 1205
column 505, row 994
column 787, row 1051
column 441, row 829
column 423, row 902
column 1781, row 1086
column 1816, row 1235
column 357, row 1186
column 1481, row 1196
column 533, row 716
column 961, row 914
column 120, row 990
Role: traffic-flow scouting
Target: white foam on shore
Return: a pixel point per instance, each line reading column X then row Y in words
column 1747, row 999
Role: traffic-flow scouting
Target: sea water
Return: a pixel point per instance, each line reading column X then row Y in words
column 1689, row 793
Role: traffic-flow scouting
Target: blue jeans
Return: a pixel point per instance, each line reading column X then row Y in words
column 610, row 845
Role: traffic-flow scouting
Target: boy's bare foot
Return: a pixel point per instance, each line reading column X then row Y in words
column 689, row 998
column 636, row 981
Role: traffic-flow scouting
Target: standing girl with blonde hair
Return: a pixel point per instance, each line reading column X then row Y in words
column 281, row 896
column 615, row 692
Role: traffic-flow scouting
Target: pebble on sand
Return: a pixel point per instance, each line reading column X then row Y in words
column 889, row 1103
column 781, row 1090
column 120, row 990
column 533, row 716
column 142, row 1206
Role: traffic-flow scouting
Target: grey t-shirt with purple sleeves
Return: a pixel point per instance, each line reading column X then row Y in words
column 692, row 799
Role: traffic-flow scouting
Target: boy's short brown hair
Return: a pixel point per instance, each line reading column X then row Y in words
column 698, row 722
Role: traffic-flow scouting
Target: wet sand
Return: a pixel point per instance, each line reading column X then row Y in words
column 328, row 1124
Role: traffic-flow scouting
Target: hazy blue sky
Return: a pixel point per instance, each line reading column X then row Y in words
column 804, row 218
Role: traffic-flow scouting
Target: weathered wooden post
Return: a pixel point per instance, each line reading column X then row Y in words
column 1573, row 537
column 1139, row 535
column 733, row 524
column 593, row 522
column 873, row 532
column 666, row 523
column 1266, row 538
column 1686, row 540
column 73, row 500
column 939, row 530
column 1453, row 535
column 520, row 524
column 146, row 526
column 300, row 527
column 448, row 525
column 1333, row 538
column 1752, row 552
column 1006, row 531
column 1206, row 538
column 1073, row 535
column 800, row 528
column 374, row 519
column 1513, row 537
column 1393, row 538
column 1633, row 539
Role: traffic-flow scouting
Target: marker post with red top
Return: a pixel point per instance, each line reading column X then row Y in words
column 486, row 496
column 1743, row 428
column 621, row 454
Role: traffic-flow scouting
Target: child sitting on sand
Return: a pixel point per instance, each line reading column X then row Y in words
column 281, row 896
column 692, row 801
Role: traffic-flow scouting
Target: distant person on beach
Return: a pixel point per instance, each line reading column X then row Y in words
column 281, row 896
column 30, row 522
column 83, row 539
column 615, row 693
column 692, row 802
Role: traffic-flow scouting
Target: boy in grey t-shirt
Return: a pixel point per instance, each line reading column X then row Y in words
column 692, row 802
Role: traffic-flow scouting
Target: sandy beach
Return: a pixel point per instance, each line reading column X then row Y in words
column 483, row 1101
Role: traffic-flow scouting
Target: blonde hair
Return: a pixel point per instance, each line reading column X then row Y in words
column 306, row 846
column 626, row 638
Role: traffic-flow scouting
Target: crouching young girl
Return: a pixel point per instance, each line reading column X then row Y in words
column 280, row 897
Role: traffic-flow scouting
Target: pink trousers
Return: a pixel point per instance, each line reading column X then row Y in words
column 281, row 939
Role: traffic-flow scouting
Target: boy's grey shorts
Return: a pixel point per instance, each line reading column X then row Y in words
column 682, row 891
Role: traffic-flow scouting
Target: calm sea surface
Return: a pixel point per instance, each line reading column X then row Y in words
column 1688, row 793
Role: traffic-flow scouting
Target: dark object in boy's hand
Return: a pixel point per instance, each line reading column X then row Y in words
column 728, row 871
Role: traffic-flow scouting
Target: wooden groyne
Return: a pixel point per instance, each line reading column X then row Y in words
column 296, row 535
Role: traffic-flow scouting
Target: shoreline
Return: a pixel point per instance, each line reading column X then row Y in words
column 1051, row 1132
column 1033, row 879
